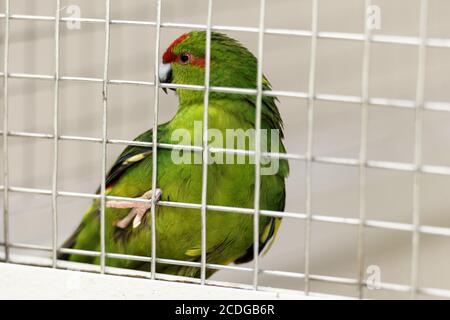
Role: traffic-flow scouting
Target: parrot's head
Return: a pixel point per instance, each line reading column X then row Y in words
column 231, row 64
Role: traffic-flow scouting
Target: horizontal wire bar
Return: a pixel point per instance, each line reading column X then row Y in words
column 150, row 144
column 81, row 252
column 374, row 164
column 436, row 292
column 375, row 101
column 126, row 257
column 69, row 265
column 183, row 263
column 379, row 224
column 432, row 105
column 27, row 246
column 388, row 39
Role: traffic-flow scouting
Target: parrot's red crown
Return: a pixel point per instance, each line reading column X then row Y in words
column 169, row 56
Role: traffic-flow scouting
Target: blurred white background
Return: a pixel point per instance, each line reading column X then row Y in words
column 286, row 63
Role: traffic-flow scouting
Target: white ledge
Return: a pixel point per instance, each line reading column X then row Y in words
column 32, row 282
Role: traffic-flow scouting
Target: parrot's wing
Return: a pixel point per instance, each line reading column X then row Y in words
column 270, row 114
column 267, row 237
column 130, row 156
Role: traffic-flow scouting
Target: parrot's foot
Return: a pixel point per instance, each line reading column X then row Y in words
column 138, row 209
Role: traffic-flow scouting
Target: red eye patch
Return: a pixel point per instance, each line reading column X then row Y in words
column 169, row 56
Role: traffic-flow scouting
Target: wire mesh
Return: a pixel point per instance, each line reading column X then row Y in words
column 419, row 105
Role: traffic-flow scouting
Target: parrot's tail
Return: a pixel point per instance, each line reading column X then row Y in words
column 69, row 244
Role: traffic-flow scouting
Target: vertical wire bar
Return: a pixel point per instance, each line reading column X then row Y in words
column 310, row 139
column 154, row 141
column 418, row 130
column 259, row 88
column 55, row 137
column 104, row 139
column 205, row 150
column 363, row 150
column 5, row 135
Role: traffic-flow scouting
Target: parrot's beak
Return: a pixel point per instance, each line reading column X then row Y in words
column 165, row 74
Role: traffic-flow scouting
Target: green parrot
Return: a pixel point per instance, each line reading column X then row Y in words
column 229, row 237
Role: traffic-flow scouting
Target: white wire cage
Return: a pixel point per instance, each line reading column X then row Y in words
column 308, row 97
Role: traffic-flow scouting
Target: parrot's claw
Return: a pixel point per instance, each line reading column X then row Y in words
column 138, row 209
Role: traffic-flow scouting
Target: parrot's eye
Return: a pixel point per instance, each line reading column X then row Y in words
column 184, row 58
